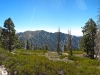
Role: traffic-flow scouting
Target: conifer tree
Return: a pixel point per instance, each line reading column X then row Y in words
column 28, row 45
column 17, row 42
column 89, row 32
column 46, row 47
column 8, row 35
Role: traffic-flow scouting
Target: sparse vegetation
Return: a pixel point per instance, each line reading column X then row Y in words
column 33, row 62
column 43, row 53
column 77, row 52
column 62, row 56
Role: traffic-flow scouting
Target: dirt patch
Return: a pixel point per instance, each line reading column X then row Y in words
column 54, row 56
column 79, row 55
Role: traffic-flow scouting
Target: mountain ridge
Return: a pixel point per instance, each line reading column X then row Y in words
column 41, row 37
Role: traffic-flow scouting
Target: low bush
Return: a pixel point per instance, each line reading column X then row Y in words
column 75, row 52
column 30, row 64
column 63, row 56
column 71, row 57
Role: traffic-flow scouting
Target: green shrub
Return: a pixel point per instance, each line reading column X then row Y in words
column 28, row 62
column 75, row 52
column 78, row 52
column 71, row 57
column 62, row 56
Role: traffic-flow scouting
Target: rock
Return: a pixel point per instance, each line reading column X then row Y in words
column 3, row 70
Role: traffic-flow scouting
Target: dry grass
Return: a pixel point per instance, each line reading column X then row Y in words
column 55, row 57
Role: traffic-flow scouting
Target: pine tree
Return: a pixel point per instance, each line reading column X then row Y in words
column 46, row 47
column 28, row 45
column 17, row 42
column 8, row 35
column 89, row 32
column 82, row 44
column 0, row 36
column 65, row 47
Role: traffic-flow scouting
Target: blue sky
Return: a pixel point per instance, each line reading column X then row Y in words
column 49, row 15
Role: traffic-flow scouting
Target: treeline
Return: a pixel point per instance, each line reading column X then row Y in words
column 28, row 46
column 88, row 43
column 10, row 41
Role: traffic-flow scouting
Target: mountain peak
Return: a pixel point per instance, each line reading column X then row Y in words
column 40, row 37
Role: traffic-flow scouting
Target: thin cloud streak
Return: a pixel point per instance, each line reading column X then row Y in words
column 32, row 15
column 81, row 4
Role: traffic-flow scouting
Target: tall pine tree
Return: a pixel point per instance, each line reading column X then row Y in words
column 8, row 35
column 89, row 32
column 28, row 45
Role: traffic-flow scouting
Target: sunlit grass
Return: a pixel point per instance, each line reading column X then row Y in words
column 32, row 62
column 75, row 52
column 28, row 52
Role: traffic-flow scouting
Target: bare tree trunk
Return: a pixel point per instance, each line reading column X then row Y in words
column 69, row 47
column 58, row 41
column 97, row 36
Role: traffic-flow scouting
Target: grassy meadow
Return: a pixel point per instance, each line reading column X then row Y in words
column 35, row 62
